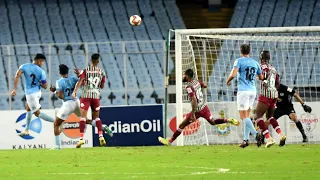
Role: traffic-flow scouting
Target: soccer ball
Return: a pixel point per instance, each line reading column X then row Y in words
column 135, row 20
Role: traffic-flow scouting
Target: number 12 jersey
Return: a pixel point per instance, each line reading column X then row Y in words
column 247, row 73
column 93, row 78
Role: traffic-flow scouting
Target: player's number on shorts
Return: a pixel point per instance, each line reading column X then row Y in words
column 250, row 72
column 199, row 95
column 33, row 76
column 94, row 82
column 69, row 91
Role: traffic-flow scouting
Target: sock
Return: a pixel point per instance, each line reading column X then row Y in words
column 246, row 132
column 250, row 126
column 28, row 117
column 58, row 142
column 219, row 121
column 300, row 127
column 93, row 123
column 175, row 135
column 46, row 117
column 263, row 128
column 82, row 127
column 275, row 125
column 99, row 126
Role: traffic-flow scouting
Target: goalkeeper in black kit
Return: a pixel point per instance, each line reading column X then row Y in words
column 285, row 107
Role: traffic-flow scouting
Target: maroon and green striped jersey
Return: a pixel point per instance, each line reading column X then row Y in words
column 194, row 89
column 93, row 77
column 272, row 79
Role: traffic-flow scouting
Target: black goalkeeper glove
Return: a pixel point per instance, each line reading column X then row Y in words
column 306, row 108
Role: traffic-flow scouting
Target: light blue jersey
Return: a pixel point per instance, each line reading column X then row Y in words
column 248, row 71
column 33, row 75
column 67, row 86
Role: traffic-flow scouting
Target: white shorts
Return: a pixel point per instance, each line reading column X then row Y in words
column 68, row 107
column 245, row 99
column 33, row 101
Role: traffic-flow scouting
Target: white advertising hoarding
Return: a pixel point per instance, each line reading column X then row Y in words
column 228, row 134
column 41, row 132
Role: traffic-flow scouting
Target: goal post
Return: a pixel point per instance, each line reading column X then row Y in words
column 217, row 49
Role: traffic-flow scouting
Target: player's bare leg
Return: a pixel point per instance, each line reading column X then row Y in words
column 57, row 131
column 95, row 116
column 248, row 128
column 82, row 127
column 260, row 111
column 176, row 134
column 25, row 132
column 294, row 118
column 276, row 126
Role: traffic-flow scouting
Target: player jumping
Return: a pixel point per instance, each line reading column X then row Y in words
column 35, row 79
column 64, row 87
column 199, row 107
column 93, row 79
column 248, row 69
column 268, row 98
column 285, row 107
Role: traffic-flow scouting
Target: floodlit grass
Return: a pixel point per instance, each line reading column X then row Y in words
column 190, row 162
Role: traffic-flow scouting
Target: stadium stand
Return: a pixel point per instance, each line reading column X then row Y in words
column 39, row 22
column 271, row 13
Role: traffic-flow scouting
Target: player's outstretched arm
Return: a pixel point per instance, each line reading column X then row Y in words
column 77, row 87
column 231, row 76
column 306, row 108
column 16, row 81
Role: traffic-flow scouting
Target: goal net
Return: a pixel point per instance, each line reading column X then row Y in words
column 210, row 53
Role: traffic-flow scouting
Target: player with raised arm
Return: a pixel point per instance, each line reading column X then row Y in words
column 35, row 79
column 199, row 107
column 247, row 70
column 285, row 107
column 64, row 88
column 268, row 97
column 92, row 79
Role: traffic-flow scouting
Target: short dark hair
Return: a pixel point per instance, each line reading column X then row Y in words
column 39, row 56
column 95, row 57
column 245, row 49
column 265, row 55
column 189, row 72
column 63, row 69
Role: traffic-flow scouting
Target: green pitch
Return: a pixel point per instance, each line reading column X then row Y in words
column 191, row 162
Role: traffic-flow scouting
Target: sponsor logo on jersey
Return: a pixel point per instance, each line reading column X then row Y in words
column 35, row 126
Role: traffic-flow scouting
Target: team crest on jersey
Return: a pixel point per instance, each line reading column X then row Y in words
column 82, row 105
column 281, row 94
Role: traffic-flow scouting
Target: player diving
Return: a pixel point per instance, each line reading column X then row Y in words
column 199, row 107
